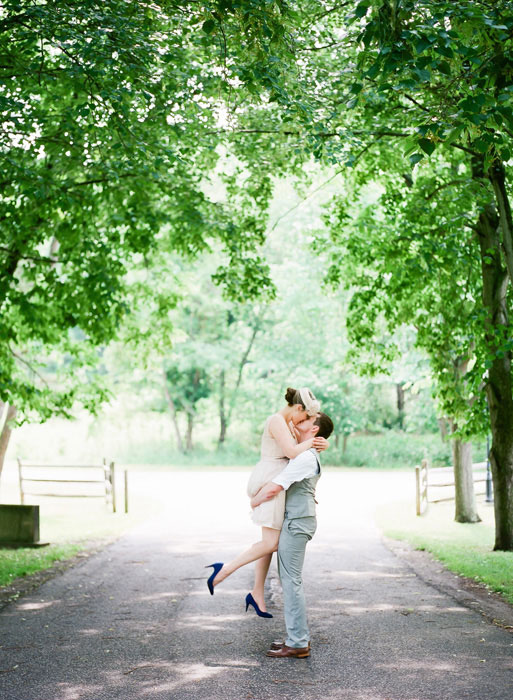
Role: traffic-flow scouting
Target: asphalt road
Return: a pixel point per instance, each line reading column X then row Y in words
column 136, row 620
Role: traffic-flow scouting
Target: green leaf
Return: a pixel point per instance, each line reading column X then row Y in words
column 361, row 9
column 482, row 144
column 427, row 146
column 454, row 134
column 368, row 35
column 373, row 70
column 416, row 158
column 424, row 129
column 444, row 68
column 444, row 51
column 356, row 88
column 209, row 26
column 423, row 74
column 422, row 45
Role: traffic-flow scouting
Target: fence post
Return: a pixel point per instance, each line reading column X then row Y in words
column 421, row 484
column 113, row 483
column 489, row 489
column 126, row 491
column 22, row 497
column 417, row 489
column 424, row 466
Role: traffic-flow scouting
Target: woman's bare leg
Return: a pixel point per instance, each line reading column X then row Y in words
column 261, row 569
column 267, row 545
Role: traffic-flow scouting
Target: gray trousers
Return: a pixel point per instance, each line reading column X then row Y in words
column 295, row 533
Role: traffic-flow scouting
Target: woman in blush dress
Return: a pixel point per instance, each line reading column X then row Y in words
column 279, row 444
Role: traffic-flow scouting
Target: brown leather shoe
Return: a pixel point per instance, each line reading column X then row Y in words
column 286, row 652
column 278, row 643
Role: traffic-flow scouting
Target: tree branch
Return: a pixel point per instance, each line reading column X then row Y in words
column 464, row 148
column 323, row 184
column 98, row 181
column 15, row 254
column 320, row 48
column 332, row 9
column 242, row 364
column 446, row 184
column 27, row 364
column 325, row 134
column 409, row 97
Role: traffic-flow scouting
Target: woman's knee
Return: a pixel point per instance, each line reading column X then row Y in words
column 270, row 539
column 273, row 543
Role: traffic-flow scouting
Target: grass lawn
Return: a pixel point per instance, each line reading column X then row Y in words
column 15, row 563
column 465, row 549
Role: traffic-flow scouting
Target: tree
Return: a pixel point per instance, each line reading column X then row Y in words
column 252, row 322
column 407, row 259
column 216, row 337
column 414, row 76
column 186, row 387
column 450, row 61
column 104, row 154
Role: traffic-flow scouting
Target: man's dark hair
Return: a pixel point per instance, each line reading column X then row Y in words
column 325, row 425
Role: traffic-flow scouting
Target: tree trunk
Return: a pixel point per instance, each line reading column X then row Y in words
column 188, row 438
column 344, row 443
column 233, row 398
column 498, row 384
column 222, row 410
column 497, row 176
column 7, row 415
column 174, row 417
column 7, row 274
column 444, row 431
column 400, row 404
column 465, row 508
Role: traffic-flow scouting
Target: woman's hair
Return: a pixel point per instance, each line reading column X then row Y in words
column 325, row 425
column 293, row 397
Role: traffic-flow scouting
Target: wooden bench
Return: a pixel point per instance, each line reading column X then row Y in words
column 428, row 478
column 103, row 476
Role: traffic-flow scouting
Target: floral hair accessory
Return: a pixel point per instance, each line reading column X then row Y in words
column 312, row 406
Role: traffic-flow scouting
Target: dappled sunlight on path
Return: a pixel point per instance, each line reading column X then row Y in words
column 137, row 621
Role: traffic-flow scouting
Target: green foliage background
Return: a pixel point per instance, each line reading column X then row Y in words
column 143, row 255
column 303, row 341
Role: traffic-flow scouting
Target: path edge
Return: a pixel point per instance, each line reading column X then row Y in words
column 24, row 585
column 465, row 591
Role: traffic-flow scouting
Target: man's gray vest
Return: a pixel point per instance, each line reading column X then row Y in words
column 300, row 499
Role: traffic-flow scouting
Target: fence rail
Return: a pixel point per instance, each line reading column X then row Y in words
column 425, row 481
column 106, row 478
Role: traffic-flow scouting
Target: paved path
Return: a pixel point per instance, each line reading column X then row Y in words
column 136, row 622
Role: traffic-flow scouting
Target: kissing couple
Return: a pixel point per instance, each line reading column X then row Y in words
column 282, row 492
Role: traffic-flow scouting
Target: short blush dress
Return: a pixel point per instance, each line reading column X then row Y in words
column 272, row 462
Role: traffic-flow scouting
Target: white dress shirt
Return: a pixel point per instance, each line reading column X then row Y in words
column 301, row 467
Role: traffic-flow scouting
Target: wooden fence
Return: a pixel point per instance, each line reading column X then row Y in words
column 102, row 477
column 428, row 479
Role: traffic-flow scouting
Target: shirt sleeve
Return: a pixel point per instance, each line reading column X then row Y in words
column 301, row 467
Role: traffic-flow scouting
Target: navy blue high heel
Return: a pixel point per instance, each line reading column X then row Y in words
column 217, row 568
column 251, row 601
